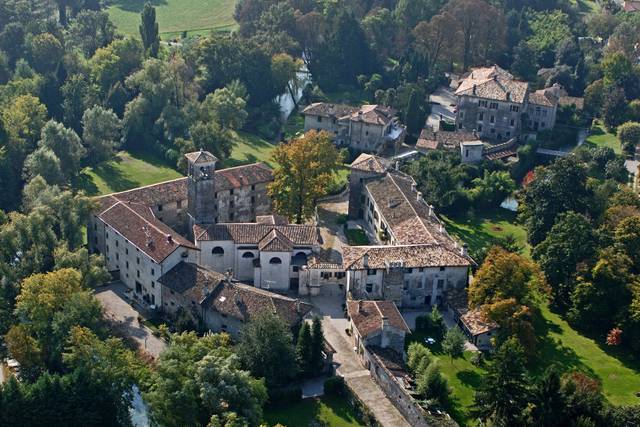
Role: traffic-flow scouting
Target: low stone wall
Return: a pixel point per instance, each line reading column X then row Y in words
column 409, row 407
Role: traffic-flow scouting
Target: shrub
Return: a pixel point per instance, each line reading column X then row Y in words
column 418, row 357
column 334, row 386
column 432, row 384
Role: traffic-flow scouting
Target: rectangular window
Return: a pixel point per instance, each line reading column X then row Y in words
column 253, row 187
column 442, row 268
column 159, row 208
column 138, row 273
column 153, row 272
column 371, row 272
column 512, row 123
column 461, row 115
column 515, row 108
column 179, row 204
column 117, row 256
column 482, row 103
column 153, row 285
column 369, row 287
column 138, row 260
column 419, row 284
column 479, row 128
column 493, row 106
column 231, row 192
column 492, row 119
column 319, row 119
column 339, row 275
column 409, row 270
column 231, row 216
column 480, row 116
column 459, row 125
column 127, row 264
column 117, row 244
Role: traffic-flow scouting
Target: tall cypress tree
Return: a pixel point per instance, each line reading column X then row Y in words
column 317, row 345
column 414, row 117
column 149, row 30
column 303, row 349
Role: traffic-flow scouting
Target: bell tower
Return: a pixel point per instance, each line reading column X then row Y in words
column 202, row 205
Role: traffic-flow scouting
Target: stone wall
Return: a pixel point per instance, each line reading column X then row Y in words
column 415, row 414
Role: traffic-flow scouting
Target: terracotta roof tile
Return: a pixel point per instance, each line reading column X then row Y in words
column 201, row 156
column 325, row 109
column 407, row 256
column 253, row 233
column 136, row 223
column 476, row 323
column 275, row 241
column 493, row 83
column 370, row 163
column 367, row 316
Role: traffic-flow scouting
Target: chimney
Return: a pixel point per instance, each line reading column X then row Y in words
column 508, row 96
column 418, row 196
column 464, row 249
column 495, row 77
column 474, row 89
column 430, row 210
column 365, row 260
column 169, row 238
column 441, row 228
column 475, row 133
column 297, row 305
column 385, row 322
column 359, row 307
column 413, row 186
column 397, row 165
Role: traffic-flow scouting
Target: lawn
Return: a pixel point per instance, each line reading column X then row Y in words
column 601, row 138
column 559, row 344
column 249, row 148
column 175, row 16
column 331, row 411
column 480, row 229
column 126, row 171
column 129, row 170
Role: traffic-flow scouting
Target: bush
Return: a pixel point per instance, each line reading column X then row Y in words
column 334, row 386
column 418, row 357
column 432, row 384
column 477, row 359
column 285, row 395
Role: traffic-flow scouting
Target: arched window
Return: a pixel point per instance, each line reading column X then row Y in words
column 275, row 260
column 248, row 255
column 299, row 259
column 217, row 251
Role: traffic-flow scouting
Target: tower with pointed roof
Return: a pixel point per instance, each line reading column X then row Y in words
column 201, row 189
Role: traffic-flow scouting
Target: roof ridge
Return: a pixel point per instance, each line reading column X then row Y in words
column 126, row 204
column 411, row 204
column 142, row 187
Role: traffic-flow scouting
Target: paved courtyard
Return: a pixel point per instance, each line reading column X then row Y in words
column 117, row 307
column 441, row 101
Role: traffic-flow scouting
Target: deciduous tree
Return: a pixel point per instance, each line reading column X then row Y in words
column 305, row 172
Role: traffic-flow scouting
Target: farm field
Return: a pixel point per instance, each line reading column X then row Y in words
column 175, row 16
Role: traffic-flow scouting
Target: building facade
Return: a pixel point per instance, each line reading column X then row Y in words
column 370, row 128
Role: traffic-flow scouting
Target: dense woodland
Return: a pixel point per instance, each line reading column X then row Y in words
column 73, row 91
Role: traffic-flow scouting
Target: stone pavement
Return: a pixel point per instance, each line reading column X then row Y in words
column 117, row 308
column 357, row 377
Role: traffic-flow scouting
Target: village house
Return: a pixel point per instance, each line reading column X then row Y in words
column 414, row 259
column 369, row 128
column 219, row 304
column 493, row 103
column 478, row 329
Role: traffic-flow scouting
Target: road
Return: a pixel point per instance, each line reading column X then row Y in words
column 117, row 308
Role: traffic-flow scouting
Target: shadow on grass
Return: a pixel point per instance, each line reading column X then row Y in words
column 248, row 159
column 136, row 5
column 114, row 176
column 84, row 182
column 469, row 378
column 469, row 228
column 552, row 351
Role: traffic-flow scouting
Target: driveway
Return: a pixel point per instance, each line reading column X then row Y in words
column 441, row 101
column 331, row 232
column 117, row 308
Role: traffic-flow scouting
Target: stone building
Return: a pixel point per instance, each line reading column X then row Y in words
column 495, row 105
column 370, row 128
column 269, row 253
column 219, row 304
column 414, row 259
column 141, row 232
column 376, row 324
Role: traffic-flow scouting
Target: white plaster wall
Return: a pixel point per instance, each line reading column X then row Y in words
column 276, row 274
column 219, row 263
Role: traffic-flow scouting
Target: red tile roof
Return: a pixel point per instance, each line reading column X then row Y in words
column 367, row 316
column 253, row 233
column 407, row 256
column 136, row 223
column 493, row 83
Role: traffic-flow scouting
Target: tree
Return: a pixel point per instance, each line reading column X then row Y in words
column 225, row 108
column 45, row 163
column 557, row 188
column 627, row 235
column 614, row 108
column 78, row 94
column 549, row 400
column 411, row 12
column 108, row 364
column 46, row 52
column 503, row 394
column 101, row 134
column 91, row 30
column 23, row 347
column 492, row 188
column 66, row 145
column 317, row 345
column 303, row 349
column 91, row 266
column 524, row 62
column 434, row 39
column 211, row 137
column 480, row 29
column 12, row 42
column 571, row 240
column 414, row 115
column 305, row 172
column 199, row 380
column 418, row 357
column 629, row 136
column 548, row 30
column 431, row 384
column 114, row 62
column 266, row 349
column 24, row 120
column 453, row 343
column 149, row 30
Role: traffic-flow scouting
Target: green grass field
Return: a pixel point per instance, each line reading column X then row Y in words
column 331, row 411
column 126, row 171
column 601, row 138
column 249, row 148
column 175, row 16
column 478, row 230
